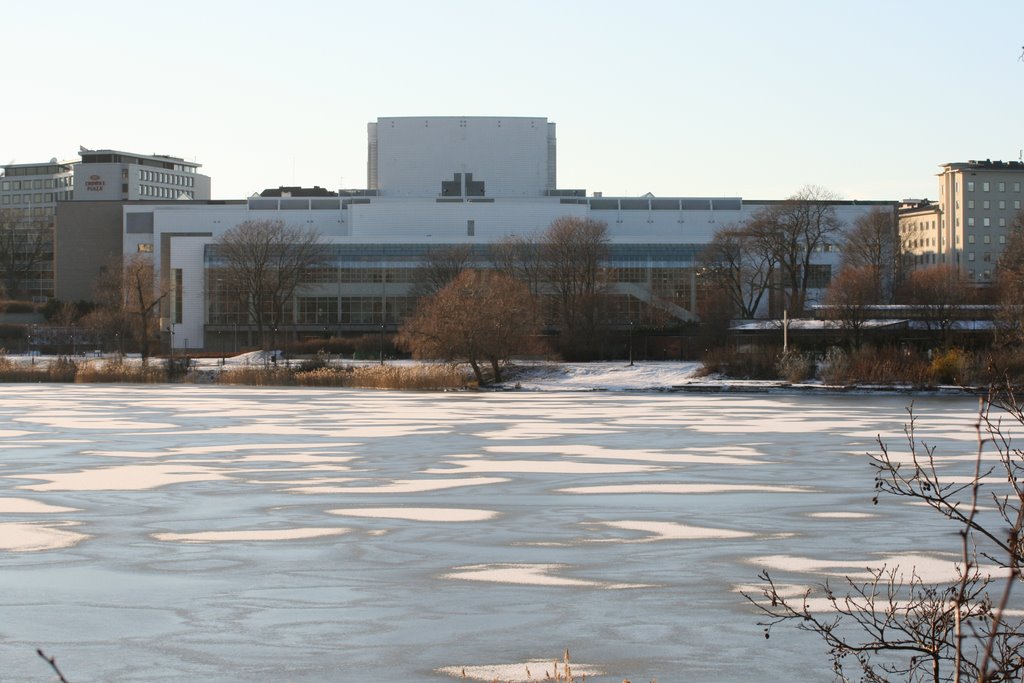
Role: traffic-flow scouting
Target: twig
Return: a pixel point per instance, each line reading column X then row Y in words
column 52, row 661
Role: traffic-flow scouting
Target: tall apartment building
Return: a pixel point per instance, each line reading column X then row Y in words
column 969, row 224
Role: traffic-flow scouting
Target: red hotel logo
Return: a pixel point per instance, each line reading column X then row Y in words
column 95, row 183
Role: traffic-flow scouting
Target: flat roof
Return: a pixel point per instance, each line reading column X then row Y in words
column 151, row 157
column 40, row 164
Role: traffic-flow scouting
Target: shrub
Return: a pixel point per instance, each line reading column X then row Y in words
column 317, row 362
column 61, row 369
column 950, row 367
column 758, row 362
column 177, row 368
column 13, row 332
column 18, row 307
column 868, row 365
column 332, row 345
column 368, row 347
column 1000, row 367
column 835, row 366
column 795, row 367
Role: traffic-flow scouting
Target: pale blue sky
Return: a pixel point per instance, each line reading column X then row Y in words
column 746, row 98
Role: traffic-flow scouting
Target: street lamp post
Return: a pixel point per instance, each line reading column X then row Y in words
column 630, row 343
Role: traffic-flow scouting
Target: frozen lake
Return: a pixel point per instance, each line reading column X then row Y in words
column 223, row 534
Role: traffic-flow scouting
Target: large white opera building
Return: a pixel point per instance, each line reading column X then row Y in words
column 431, row 182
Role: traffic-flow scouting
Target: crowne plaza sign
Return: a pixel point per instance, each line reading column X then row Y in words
column 95, row 183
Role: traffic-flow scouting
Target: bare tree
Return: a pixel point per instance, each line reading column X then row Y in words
column 128, row 304
column 440, row 266
column 940, row 293
column 735, row 262
column 480, row 317
column 573, row 252
column 519, row 256
column 1010, row 284
column 848, row 298
column 263, row 262
column 896, row 623
column 793, row 231
column 25, row 245
column 874, row 242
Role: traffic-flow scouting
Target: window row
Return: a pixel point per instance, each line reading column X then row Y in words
column 39, row 184
column 330, row 275
column 323, row 310
column 37, row 198
column 986, row 239
column 986, row 204
column 164, row 192
column 165, row 178
column 986, row 186
column 986, row 222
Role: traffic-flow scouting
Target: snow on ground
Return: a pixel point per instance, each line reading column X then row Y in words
column 609, row 375
column 520, row 375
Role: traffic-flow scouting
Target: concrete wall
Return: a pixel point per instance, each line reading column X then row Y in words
column 88, row 237
column 415, row 154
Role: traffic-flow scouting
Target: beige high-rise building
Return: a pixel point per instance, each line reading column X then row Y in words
column 968, row 226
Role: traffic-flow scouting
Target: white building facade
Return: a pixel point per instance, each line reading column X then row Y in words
column 453, row 188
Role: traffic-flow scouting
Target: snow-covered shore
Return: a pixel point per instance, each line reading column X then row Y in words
column 555, row 376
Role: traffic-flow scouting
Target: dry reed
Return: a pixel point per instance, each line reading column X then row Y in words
column 117, row 371
column 415, row 378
